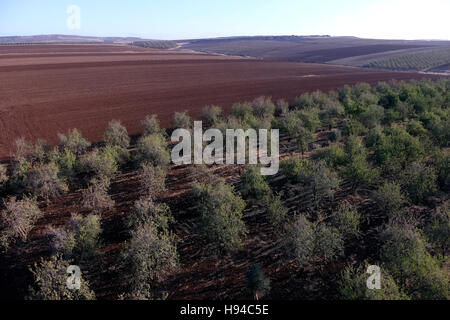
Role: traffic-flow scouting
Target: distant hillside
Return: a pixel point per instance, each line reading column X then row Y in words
column 422, row 61
column 59, row 38
column 317, row 49
column 156, row 44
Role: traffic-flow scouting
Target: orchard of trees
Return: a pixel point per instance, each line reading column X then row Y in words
column 364, row 180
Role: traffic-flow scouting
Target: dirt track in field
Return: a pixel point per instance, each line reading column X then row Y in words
column 46, row 89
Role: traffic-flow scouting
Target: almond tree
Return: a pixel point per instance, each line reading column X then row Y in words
column 182, row 120
column 96, row 197
column 254, row 184
column 43, row 181
column 151, row 254
column 390, row 198
column 50, row 282
column 353, row 286
column 74, row 141
column 17, row 220
column 151, row 125
column 152, row 180
column 153, row 149
column 212, row 115
column 298, row 241
column 79, row 240
column 347, row 220
column 221, row 211
column 116, row 135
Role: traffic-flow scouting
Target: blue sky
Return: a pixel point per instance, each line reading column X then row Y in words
column 183, row 19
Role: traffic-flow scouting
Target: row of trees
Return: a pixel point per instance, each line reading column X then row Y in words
column 151, row 252
column 390, row 148
column 390, row 141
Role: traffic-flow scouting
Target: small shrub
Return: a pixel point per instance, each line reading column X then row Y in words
column 415, row 128
column 290, row 123
column 116, row 135
column 282, row 107
column 354, row 127
column 389, row 198
column 145, row 210
column 330, row 111
column 375, row 137
column 328, row 242
column 151, row 256
column 263, row 107
column 404, row 251
column 299, row 239
column 182, row 120
column 420, row 181
column 334, row 155
column 212, row 115
column 17, row 220
column 304, row 138
column 23, row 150
column 96, row 197
column 81, row 240
column 120, row 155
column 360, row 173
column 355, row 149
column 254, row 184
column 347, row 220
column 396, row 149
column 277, row 211
column 44, row 182
column 151, row 125
column 152, row 180
column 372, row 116
column 352, row 286
column 98, row 164
column 241, row 110
column 50, row 282
column 294, row 167
column 23, row 159
column 322, row 181
column 310, row 119
column 62, row 241
column 153, row 149
column 357, row 170
column 74, row 141
column 305, row 241
column 221, row 211
column 66, row 162
column 314, row 175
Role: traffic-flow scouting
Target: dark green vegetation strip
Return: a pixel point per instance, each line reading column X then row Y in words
column 156, row 44
column 414, row 62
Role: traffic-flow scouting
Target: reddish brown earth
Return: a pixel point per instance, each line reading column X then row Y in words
column 46, row 89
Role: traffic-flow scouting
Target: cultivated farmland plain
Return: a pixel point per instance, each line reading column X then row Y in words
column 48, row 89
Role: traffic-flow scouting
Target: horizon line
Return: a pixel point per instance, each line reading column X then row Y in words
column 224, row 37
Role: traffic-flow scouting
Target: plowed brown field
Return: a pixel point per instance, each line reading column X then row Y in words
column 46, row 89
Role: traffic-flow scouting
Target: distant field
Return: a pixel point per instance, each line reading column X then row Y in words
column 47, row 89
column 317, row 49
column 422, row 61
column 156, row 44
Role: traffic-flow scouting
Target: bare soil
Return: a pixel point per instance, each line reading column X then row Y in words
column 47, row 89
